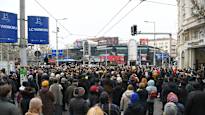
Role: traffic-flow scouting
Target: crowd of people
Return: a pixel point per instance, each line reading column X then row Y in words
column 102, row 90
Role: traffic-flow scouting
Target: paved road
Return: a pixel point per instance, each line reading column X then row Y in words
column 157, row 108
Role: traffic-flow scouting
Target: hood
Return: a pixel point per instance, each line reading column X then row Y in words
column 171, row 97
column 151, row 83
column 128, row 93
column 134, row 98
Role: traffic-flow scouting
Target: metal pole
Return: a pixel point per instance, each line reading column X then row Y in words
column 23, row 45
column 170, row 48
column 140, row 56
column 154, row 59
column 1, row 52
column 162, row 59
column 106, row 57
column 57, row 30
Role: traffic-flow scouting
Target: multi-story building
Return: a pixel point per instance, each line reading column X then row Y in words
column 167, row 45
column 191, row 33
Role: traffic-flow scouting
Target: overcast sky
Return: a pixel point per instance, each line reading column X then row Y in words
column 85, row 18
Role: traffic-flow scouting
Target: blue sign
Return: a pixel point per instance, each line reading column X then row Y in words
column 8, row 27
column 60, row 53
column 160, row 55
column 53, row 53
column 38, row 31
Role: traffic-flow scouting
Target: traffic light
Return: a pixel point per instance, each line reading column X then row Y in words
column 134, row 30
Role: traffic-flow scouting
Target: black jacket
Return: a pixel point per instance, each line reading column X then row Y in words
column 78, row 106
column 195, row 103
column 135, row 109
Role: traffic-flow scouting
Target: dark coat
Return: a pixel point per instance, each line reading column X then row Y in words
column 27, row 95
column 78, row 106
column 69, row 93
column 135, row 109
column 195, row 103
column 48, row 99
column 7, row 108
column 110, row 108
column 117, row 94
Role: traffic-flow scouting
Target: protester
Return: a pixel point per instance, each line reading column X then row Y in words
column 35, row 107
column 170, row 109
column 106, row 105
column 56, row 88
column 47, row 99
column 6, row 107
column 78, row 106
column 152, row 94
column 135, row 107
column 171, row 97
column 125, row 100
column 95, row 110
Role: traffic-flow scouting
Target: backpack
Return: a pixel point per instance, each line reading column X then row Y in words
column 153, row 95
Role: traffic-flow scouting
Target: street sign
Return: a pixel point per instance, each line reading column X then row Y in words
column 8, row 27
column 38, row 30
column 60, row 53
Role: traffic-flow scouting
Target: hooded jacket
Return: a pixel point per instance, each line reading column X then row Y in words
column 135, row 106
column 125, row 100
column 151, row 88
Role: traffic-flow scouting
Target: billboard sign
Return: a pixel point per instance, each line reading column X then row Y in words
column 8, row 27
column 38, row 30
column 144, row 41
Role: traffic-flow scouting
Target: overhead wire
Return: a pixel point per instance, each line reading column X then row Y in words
column 163, row 3
column 121, row 9
column 123, row 17
column 70, row 33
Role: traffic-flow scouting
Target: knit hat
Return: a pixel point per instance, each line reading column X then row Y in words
column 45, row 83
column 134, row 98
column 170, row 109
column 94, row 89
column 171, row 97
column 79, row 92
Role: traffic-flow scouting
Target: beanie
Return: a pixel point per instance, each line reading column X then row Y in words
column 45, row 83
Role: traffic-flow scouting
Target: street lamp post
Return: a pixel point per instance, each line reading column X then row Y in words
column 154, row 58
column 57, row 30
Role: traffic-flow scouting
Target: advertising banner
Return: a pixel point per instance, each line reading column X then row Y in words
column 8, row 27
column 38, row 30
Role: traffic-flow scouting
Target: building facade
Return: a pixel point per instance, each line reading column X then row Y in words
column 167, row 45
column 191, row 33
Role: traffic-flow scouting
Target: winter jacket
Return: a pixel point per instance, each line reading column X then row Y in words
column 69, row 93
column 135, row 109
column 195, row 103
column 116, row 95
column 7, row 108
column 151, row 88
column 47, row 98
column 125, row 100
column 56, row 90
column 78, row 106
